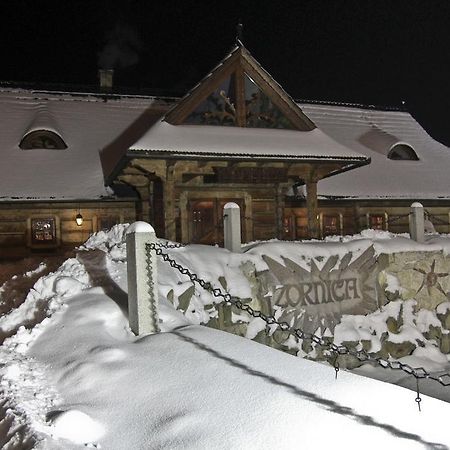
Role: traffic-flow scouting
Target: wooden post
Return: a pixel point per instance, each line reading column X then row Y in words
column 279, row 211
column 232, row 227
column 313, row 209
column 169, row 203
column 417, row 222
column 142, row 279
column 144, row 195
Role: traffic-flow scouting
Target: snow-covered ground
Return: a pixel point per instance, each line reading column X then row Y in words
column 76, row 377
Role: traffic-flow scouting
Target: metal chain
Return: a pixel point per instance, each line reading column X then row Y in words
column 361, row 355
column 393, row 219
column 167, row 245
column 436, row 219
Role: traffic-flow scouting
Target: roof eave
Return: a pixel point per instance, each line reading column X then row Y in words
column 157, row 154
column 356, row 163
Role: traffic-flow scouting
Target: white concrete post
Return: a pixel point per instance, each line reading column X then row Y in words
column 232, row 227
column 142, row 279
column 417, row 223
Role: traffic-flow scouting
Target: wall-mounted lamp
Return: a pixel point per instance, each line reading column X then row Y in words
column 79, row 219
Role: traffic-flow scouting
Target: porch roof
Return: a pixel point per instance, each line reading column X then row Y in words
column 202, row 141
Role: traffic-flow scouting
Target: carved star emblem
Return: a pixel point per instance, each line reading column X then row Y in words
column 431, row 279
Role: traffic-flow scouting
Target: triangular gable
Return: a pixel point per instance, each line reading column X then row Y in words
column 239, row 92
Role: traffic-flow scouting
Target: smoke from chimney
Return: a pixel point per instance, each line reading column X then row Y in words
column 121, row 49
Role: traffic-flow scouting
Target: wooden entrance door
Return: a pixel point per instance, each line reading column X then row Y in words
column 206, row 220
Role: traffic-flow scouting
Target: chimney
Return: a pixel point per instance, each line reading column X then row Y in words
column 106, row 79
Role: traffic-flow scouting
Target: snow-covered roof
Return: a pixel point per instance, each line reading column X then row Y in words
column 90, row 123
column 373, row 133
column 86, row 124
column 236, row 142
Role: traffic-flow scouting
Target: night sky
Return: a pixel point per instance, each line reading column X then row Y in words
column 362, row 51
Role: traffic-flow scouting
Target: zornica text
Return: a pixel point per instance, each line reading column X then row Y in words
column 317, row 292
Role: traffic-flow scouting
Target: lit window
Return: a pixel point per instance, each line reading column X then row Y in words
column 403, row 152
column 330, row 225
column 42, row 139
column 377, row 221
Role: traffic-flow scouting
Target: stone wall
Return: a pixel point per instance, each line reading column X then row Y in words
column 390, row 305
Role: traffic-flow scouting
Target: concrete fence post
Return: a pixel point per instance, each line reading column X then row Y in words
column 232, row 227
column 142, row 279
column 417, row 223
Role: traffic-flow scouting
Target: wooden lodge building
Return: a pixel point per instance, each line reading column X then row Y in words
column 297, row 170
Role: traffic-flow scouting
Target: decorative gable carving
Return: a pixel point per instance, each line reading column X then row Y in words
column 239, row 92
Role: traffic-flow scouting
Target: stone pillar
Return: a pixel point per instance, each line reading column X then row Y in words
column 313, row 209
column 232, row 227
column 142, row 279
column 417, row 222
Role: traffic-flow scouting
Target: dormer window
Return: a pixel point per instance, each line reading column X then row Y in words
column 42, row 139
column 402, row 152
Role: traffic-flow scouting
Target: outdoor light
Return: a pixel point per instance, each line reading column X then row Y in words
column 79, row 219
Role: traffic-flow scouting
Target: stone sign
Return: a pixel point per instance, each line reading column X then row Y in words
column 317, row 298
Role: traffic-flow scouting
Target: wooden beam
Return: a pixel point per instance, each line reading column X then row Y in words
column 151, row 166
column 134, row 180
column 325, row 169
column 169, row 203
column 240, row 97
column 144, row 210
column 280, row 203
column 300, row 170
column 312, row 204
column 312, row 207
column 321, row 170
column 238, row 164
column 192, row 168
column 133, row 171
column 212, row 164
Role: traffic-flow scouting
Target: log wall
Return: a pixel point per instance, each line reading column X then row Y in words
column 15, row 220
column 354, row 216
